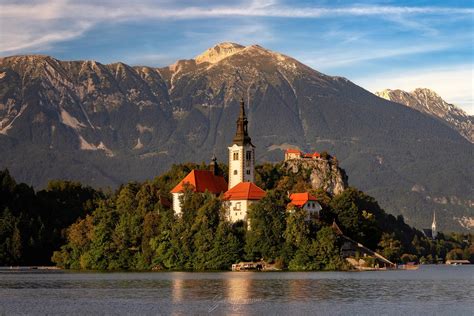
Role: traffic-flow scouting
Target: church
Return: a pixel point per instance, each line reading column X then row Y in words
column 241, row 191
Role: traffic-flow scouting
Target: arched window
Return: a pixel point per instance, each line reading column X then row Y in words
column 236, row 156
column 235, row 172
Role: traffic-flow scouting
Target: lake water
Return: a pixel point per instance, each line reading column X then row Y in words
column 430, row 290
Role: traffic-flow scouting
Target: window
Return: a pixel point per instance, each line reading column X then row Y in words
column 248, row 155
column 235, row 172
column 236, row 156
column 248, row 172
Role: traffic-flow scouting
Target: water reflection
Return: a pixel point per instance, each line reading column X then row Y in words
column 239, row 294
column 429, row 290
column 238, row 288
column 177, row 288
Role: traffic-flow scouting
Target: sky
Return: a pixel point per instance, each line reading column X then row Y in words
column 376, row 44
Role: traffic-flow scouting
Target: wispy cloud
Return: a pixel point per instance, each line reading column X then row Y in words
column 327, row 60
column 35, row 25
column 454, row 84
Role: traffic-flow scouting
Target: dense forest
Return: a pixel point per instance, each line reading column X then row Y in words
column 78, row 227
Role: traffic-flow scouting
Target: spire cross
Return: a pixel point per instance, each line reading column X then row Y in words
column 242, row 108
column 241, row 135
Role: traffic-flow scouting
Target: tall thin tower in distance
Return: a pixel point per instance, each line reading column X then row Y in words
column 434, row 232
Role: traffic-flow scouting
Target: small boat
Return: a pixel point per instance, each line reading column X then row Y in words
column 409, row 266
column 457, row 262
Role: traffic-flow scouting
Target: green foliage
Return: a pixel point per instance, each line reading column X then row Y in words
column 268, row 175
column 267, row 224
column 10, row 248
column 32, row 225
column 390, row 247
column 358, row 215
column 130, row 229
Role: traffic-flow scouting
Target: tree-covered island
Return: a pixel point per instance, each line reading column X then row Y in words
column 134, row 227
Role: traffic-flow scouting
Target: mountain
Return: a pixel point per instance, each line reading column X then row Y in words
column 109, row 124
column 427, row 101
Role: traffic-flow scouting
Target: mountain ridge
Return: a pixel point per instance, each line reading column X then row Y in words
column 105, row 124
column 429, row 102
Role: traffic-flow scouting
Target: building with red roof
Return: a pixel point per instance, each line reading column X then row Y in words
column 305, row 201
column 298, row 154
column 241, row 190
column 239, row 198
column 202, row 181
column 199, row 181
column 293, row 154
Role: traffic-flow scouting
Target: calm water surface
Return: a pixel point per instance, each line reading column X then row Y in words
column 431, row 290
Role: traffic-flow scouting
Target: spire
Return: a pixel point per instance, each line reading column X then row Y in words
column 434, row 232
column 242, row 108
column 241, row 136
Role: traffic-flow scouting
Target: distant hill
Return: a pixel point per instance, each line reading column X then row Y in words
column 427, row 101
column 108, row 124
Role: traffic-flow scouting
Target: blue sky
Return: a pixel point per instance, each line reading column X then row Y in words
column 376, row 44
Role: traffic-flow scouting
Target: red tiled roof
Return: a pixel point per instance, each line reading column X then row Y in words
column 244, row 191
column 300, row 199
column 293, row 151
column 315, row 154
column 202, row 180
column 305, row 155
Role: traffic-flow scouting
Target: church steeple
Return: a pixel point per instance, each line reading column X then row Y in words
column 242, row 137
column 241, row 153
column 434, row 232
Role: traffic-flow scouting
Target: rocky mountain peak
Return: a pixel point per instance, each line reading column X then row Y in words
column 429, row 102
column 218, row 52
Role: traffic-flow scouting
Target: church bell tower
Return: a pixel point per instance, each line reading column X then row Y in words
column 241, row 153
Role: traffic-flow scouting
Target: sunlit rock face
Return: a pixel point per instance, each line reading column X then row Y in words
column 429, row 102
column 324, row 173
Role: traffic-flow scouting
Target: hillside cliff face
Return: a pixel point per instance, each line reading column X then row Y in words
column 324, row 173
column 427, row 101
column 108, row 124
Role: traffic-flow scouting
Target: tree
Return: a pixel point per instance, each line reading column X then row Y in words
column 389, row 247
column 10, row 238
column 226, row 248
column 455, row 254
column 359, row 216
column 297, row 234
column 204, row 228
column 267, row 225
column 328, row 256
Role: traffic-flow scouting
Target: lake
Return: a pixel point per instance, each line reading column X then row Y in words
column 430, row 290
